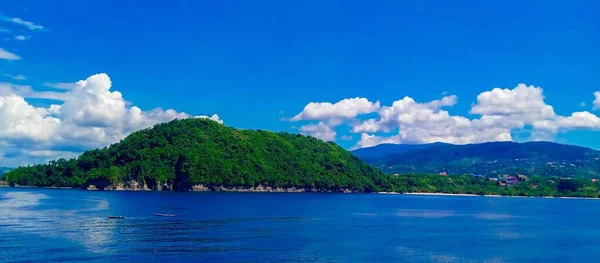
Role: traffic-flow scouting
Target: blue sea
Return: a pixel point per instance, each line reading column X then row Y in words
column 44, row 225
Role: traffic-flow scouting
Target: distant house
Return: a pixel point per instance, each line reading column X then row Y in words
column 493, row 179
column 594, row 180
column 501, row 183
column 522, row 177
column 443, row 174
column 512, row 180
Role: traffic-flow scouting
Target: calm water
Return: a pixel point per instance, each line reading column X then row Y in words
column 52, row 225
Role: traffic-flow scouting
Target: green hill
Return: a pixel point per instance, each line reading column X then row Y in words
column 205, row 155
column 488, row 159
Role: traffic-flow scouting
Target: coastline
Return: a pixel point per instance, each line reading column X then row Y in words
column 261, row 189
column 494, row 196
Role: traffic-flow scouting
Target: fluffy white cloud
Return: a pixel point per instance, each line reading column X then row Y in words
column 4, row 54
column 16, row 77
column 524, row 101
column 597, row 100
column 21, row 122
column 25, row 23
column 86, row 116
column 344, row 109
column 320, row 130
column 501, row 112
column 407, row 111
column 579, row 120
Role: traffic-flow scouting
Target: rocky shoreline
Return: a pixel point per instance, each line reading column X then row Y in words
column 135, row 186
column 263, row 189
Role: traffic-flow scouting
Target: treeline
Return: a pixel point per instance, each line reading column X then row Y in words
column 493, row 158
column 183, row 153
column 466, row 184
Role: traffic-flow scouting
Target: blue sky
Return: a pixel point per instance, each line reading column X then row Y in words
column 257, row 64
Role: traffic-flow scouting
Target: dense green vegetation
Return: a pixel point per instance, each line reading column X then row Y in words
column 489, row 159
column 183, row 153
column 466, row 184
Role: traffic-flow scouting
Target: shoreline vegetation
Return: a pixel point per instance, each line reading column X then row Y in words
column 181, row 154
column 203, row 155
column 261, row 189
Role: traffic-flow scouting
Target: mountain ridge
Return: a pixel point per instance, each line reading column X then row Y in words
column 491, row 159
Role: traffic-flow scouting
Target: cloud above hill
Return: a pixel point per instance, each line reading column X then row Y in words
column 494, row 116
column 84, row 115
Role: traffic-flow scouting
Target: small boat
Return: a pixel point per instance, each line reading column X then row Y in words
column 165, row 214
column 116, row 217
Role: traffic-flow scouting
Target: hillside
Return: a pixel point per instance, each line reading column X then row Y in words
column 491, row 159
column 386, row 149
column 205, row 155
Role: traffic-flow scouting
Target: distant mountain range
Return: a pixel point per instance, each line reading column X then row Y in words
column 487, row 159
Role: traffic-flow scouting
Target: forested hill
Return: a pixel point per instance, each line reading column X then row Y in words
column 183, row 153
column 488, row 159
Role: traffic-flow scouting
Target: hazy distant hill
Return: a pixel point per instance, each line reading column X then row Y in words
column 385, row 149
column 493, row 158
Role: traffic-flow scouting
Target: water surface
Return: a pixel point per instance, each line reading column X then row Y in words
column 42, row 225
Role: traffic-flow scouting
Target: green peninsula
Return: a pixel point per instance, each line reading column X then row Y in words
column 201, row 154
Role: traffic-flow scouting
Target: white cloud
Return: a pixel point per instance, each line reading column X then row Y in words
column 21, row 122
column 87, row 116
column 501, row 112
column 344, row 109
column 21, row 37
column 28, row 92
column 367, row 140
column 582, row 104
column 406, row 111
column 4, row 30
column 59, row 85
column 444, row 102
column 19, row 21
column 597, row 100
column 4, row 54
column 16, row 77
column 524, row 101
column 579, row 120
column 214, row 117
column 320, row 130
